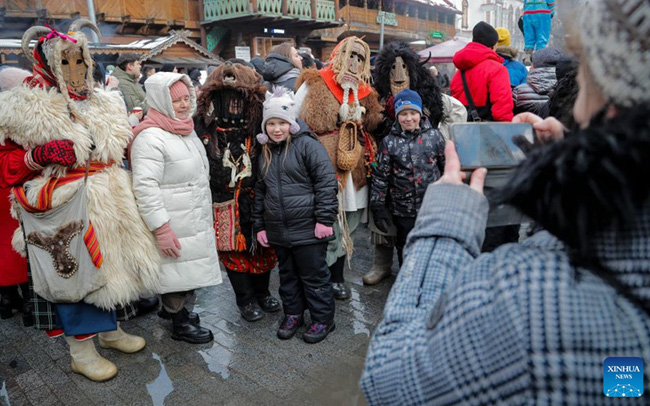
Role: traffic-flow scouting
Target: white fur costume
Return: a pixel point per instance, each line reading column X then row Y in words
column 34, row 116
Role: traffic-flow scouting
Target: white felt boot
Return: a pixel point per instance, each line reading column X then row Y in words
column 87, row 361
column 121, row 341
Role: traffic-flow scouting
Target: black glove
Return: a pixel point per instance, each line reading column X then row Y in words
column 381, row 217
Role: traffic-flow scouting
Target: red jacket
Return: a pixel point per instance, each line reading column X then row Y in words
column 485, row 76
column 13, row 172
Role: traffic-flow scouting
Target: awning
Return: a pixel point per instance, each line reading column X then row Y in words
column 194, row 62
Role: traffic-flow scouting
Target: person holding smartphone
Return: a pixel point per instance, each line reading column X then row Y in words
column 535, row 321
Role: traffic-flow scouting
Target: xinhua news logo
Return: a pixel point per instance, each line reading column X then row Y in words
column 623, row 377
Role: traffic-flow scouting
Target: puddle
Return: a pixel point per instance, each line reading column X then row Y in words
column 160, row 387
column 357, row 307
column 218, row 359
column 4, row 394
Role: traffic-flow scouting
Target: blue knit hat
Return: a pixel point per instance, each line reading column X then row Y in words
column 407, row 99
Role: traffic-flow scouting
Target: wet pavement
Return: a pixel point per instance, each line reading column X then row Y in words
column 245, row 365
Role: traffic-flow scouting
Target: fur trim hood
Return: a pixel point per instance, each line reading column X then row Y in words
column 507, row 52
column 592, row 181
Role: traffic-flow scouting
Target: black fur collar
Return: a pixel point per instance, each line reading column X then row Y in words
column 594, row 178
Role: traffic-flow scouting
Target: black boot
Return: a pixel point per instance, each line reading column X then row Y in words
column 28, row 307
column 194, row 318
column 9, row 301
column 261, row 287
column 183, row 330
column 341, row 292
column 146, row 305
column 251, row 312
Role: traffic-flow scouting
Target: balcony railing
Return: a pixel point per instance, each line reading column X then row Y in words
column 216, row 10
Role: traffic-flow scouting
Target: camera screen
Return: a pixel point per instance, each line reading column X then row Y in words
column 491, row 145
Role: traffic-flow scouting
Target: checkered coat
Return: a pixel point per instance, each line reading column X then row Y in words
column 519, row 326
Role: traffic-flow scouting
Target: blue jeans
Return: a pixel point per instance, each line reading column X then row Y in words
column 537, row 30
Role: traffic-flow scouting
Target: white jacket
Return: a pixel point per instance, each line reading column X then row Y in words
column 171, row 184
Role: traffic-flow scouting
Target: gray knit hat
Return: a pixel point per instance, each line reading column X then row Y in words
column 615, row 36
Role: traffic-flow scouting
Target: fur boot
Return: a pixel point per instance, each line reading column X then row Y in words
column 86, row 360
column 381, row 265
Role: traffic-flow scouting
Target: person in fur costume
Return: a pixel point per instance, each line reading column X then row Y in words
column 398, row 67
column 76, row 136
column 339, row 105
column 536, row 319
column 229, row 114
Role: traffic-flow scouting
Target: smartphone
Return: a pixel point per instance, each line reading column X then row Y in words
column 491, row 145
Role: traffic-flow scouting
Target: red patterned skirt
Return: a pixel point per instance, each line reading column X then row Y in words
column 262, row 261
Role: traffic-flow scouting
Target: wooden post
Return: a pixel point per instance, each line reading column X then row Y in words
column 254, row 6
column 204, row 35
column 365, row 4
column 337, row 5
column 379, row 5
column 313, row 10
column 285, row 7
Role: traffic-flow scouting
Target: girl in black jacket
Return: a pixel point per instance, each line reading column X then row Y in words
column 295, row 209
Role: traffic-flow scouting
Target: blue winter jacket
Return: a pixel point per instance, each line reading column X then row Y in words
column 516, row 69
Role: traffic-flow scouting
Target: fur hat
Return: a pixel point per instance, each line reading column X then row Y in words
column 407, row 99
column 504, row 37
column 614, row 38
column 278, row 104
column 11, row 77
column 485, row 34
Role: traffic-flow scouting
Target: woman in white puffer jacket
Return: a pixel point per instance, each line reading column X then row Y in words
column 171, row 185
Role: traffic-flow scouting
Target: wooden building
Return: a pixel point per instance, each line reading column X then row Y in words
column 261, row 24
column 320, row 24
column 120, row 21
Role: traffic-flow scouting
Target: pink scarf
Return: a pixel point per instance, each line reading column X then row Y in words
column 157, row 119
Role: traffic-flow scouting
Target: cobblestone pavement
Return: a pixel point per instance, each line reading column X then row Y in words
column 245, row 365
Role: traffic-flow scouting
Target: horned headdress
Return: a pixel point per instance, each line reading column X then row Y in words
column 61, row 60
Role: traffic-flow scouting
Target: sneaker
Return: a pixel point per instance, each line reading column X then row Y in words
column 290, row 325
column 317, row 332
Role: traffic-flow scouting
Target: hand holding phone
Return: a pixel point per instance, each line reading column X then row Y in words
column 454, row 175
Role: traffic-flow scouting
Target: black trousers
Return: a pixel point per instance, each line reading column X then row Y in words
column 496, row 236
column 249, row 287
column 404, row 225
column 305, row 281
column 336, row 270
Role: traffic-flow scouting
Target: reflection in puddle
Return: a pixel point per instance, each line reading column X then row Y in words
column 4, row 394
column 358, row 319
column 161, row 386
column 218, row 358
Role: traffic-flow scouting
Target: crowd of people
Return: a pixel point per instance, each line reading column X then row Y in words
column 276, row 162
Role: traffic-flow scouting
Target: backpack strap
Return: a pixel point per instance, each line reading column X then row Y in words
column 473, row 113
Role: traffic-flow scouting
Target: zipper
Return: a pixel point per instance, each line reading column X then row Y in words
column 284, row 216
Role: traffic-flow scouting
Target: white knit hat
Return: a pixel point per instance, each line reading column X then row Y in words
column 279, row 104
column 615, row 35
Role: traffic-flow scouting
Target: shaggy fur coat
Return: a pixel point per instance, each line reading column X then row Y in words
column 218, row 134
column 33, row 117
column 320, row 111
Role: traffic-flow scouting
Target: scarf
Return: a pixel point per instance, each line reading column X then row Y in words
column 157, row 119
column 290, row 74
column 335, row 88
